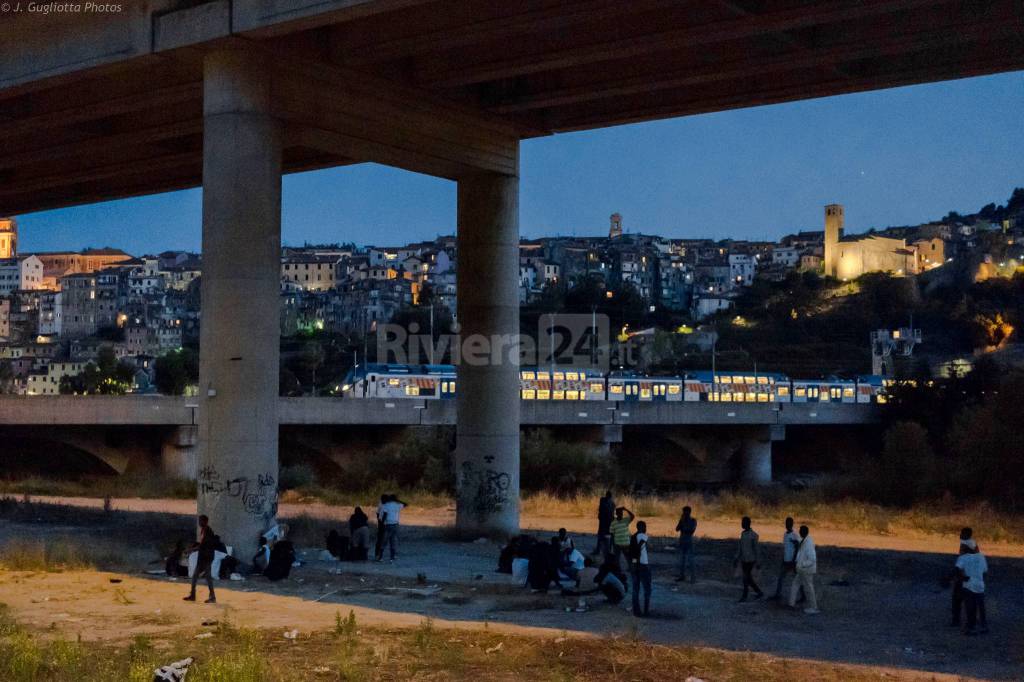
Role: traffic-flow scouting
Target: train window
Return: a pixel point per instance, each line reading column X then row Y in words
column 529, row 394
column 559, row 376
column 762, row 397
column 453, row 386
column 812, row 392
column 572, row 395
column 559, row 395
column 847, row 392
column 645, row 393
column 528, row 376
column 724, row 379
column 572, row 376
column 543, row 395
column 783, row 391
column 393, row 382
column 543, row 376
column 881, row 399
column 412, row 390
column 583, row 376
column 835, row 392
column 596, row 388
column 763, row 381
column 799, row 392
column 673, row 389
column 615, row 388
column 750, row 380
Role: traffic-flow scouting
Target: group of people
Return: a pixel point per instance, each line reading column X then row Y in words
column 356, row 545
column 969, row 575
column 799, row 559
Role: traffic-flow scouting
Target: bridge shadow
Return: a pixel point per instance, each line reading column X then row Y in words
column 879, row 607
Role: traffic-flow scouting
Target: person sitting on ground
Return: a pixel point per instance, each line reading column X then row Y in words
column 517, row 548
column 282, row 556
column 176, row 563
column 605, row 580
column 261, row 559
column 336, row 544
column 539, row 571
column 359, row 530
column 571, row 563
column 564, row 541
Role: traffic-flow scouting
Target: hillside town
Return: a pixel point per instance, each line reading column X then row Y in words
column 63, row 313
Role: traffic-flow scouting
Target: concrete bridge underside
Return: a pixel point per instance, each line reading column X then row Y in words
column 167, row 94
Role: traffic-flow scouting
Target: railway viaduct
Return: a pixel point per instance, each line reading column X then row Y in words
column 229, row 94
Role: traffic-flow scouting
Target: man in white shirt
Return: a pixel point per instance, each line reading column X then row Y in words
column 641, row 570
column 390, row 514
column 972, row 568
column 790, row 543
column 806, row 567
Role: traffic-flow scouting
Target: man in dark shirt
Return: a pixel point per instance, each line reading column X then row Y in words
column 605, row 515
column 686, row 528
column 204, row 563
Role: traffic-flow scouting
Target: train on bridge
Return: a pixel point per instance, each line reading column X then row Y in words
column 438, row 382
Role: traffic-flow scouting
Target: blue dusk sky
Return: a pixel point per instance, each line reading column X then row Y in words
column 892, row 157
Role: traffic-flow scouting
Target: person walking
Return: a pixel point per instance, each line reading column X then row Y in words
column 619, row 529
column 790, row 543
column 641, row 570
column 605, row 516
column 806, row 567
column 204, row 559
column 686, row 528
column 747, row 559
column 392, row 511
column 973, row 569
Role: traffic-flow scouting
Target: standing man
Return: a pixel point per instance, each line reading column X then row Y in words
column 973, row 569
column 686, row 527
column 378, row 550
column 619, row 530
column 392, row 511
column 641, row 570
column 966, row 545
column 605, row 515
column 790, row 543
column 747, row 558
column 204, row 560
column 806, row 567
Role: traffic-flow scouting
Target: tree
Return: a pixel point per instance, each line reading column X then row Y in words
column 176, row 370
column 906, row 471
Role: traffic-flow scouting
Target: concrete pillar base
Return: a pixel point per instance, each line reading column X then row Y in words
column 756, row 459
column 179, row 453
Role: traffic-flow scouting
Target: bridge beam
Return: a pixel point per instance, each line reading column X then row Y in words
column 238, row 368
column 487, row 400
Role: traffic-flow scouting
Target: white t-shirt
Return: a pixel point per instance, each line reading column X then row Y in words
column 790, row 541
column 974, row 567
column 641, row 539
column 392, row 512
column 576, row 559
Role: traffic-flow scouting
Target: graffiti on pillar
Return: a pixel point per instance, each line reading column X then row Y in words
column 259, row 499
column 485, row 490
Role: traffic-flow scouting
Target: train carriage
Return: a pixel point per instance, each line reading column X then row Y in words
column 429, row 382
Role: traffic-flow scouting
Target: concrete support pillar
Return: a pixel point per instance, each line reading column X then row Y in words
column 487, row 397
column 756, row 458
column 178, row 453
column 238, row 367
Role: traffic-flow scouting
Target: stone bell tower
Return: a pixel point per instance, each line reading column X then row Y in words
column 833, row 233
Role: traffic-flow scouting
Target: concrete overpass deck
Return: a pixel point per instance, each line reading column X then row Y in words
column 176, row 411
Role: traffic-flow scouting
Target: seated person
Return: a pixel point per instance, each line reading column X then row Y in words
column 261, row 559
column 359, row 528
column 228, row 565
column 176, row 563
column 337, row 545
column 572, row 563
column 282, row 556
column 542, row 571
column 564, row 541
column 608, row 580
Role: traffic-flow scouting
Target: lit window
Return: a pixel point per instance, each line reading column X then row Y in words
column 543, row 395
column 559, row 376
column 762, row 380
column 724, row 397
column 529, row 376
column 543, row 376
column 571, row 395
column 571, row 376
column 673, row 389
column 725, row 379
column 559, row 395
column 762, row 397
column 751, row 380
column 783, row 390
column 393, row 382
column 615, row 388
column 412, row 390
column 596, row 388
column 529, row 394
column 847, row 392
column 645, row 393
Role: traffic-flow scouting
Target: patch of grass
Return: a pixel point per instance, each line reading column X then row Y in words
column 144, row 484
column 39, row 555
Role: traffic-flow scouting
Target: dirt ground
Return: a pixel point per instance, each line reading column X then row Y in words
column 881, row 600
